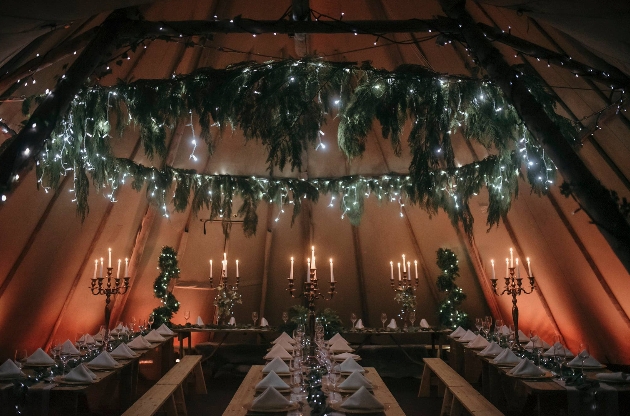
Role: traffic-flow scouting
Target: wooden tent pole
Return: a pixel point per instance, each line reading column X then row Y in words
column 267, row 260
column 587, row 189
column 358, row 259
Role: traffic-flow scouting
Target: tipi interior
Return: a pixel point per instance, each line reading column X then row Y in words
column 577, row 252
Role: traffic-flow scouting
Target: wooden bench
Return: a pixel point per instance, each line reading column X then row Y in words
column 458, row 393
column 168, row 392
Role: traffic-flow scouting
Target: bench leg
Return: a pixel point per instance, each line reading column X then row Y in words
column 180, row 401
column 170, row 406
column 446, row 404
column 456, row 407
column 441, row 388
column 200, row 383
column 425, row 383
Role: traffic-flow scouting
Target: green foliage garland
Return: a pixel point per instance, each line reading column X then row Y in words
column 168, row 270
column 283, row 104
column 225, row 300
column 329, row 319
column 449, row 314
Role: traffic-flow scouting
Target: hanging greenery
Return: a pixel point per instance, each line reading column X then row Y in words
column 283, row 105
column 168, row 270
column 448, row 313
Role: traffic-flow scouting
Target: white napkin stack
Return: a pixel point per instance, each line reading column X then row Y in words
column 350, row 366
column 340, row 346
column 526, row 368
column 392, row 324
column 424, row 324
column 164, row 330
column 491, row 350
column 272, row 380
column 506, row 357
column 9, row 369
column 39, row 357
column 537, row 342
column 467, row 337
column 362, row 400
column 560, row 350
column 200, row 321
column 344, row 355
column 459, row 332
column 270, row 399
column 68, row 348
column 285, row 344
column 618, row 377
column 232, row 321
column 79, row 374
column 154, row 336
column 355, row 381
column 359, row 324
column 88, row 339
column 276, row 365
column 104, row 360
column 263, row 322
column 123, row 351
column 588, row 362
column 139, row 343
column 284, row 336
column 478, row 342
column 279, row 352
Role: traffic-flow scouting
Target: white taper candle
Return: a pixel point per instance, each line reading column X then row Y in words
column 291, row 274
column 332, row 276
column 101, row 267
column 118, row 271
column 391, row 266
column 126, row 267
column 493, row 274
column 95, row 267
column 109, row 263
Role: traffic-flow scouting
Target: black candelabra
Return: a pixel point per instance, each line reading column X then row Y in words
column 109, row 286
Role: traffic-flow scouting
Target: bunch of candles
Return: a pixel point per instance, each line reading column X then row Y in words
column 109, row 266
column 311, row 266
column 224, row 264
column 509, row 264
column 406, row 269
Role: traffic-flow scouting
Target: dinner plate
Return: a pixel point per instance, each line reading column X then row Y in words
column 287, row 408
column 347, row 373
column 586, row 367
column 61, row 379
column 338, row 407
column 547, row 375
column 38, row 365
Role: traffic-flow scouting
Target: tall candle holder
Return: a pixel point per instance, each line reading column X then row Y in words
column 109, row 287
column 514, row 287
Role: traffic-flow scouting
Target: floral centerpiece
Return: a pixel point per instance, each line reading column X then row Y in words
column 225, row 300
column 407, row 301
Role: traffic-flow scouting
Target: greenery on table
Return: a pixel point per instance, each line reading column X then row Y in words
column 225, row 300
column 168, row 270
column 329, row 319
column 448, row 313
column 407, row 301
column 283, row 105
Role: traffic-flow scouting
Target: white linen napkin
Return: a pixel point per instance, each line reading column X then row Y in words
column 68, row 348
column 349, row 366
column 270, row 399
column 272, row 380
column 522, row 337
column 39, row 357
column 153, row 336
column 232, row 321
column 467, row 337
column 165, row 330
column 99, row 335
column 104, row 360
column 284, row 336
column 361, row 400
column 526, row 368
column 9, row 369
column 537, row 342
column 122, row 351
column 286, row 345
column 88, row 339
column 478, row 342
column 278, row 351
column 424, row 324
column 392, row 324
column 491, row 350
column 139, row 343
column 79, row 374
column 504, row 330
column 459, row 332
column 359, row 324
column 560, row 350
column 344, row 355
column 340, row 346
column 200, row 321
column 276, row 365
column 618, row 377
column 336, row 338
column 90, row 372
column 355, row 381
column 588, row 362
column 263, row 322
column 506, row 357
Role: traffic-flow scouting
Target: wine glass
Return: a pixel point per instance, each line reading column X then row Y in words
column 353, row 319
column 254, row 317
column 383, row 319
column 557, row 341
column 498, row 324
column 333, row 377
column 584, row 354
column 285, row 317
column 151, row 321
column 478, row 324
column 187, row 316
column 412, row 317
column 20, row 357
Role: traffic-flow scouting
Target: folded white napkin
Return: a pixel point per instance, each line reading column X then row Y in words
column 39, row 357
column 362, row 399
column 392, row 324
column 340, row 346
column 263, row 322
column 344, row 355
column 588, row 362
column 526, row 368
column 491, row 350
column 90, row 372
column 9, row 369
column 618, row 377
column 467, row 337
column 68, row 348
column 200, row 321
column 119, row 327
column 537, row 342
column 154, row 336
column 355, row 381
column 459, row 332
column 506, row 357
column 270, row 399
column 278, row 351
column 104, row 360
column 478, row 342
column 424, row 323
column 359, row 324
column 164, row 330
column 522, row 337
column 285, row 344
column 559, row 350
column 349, row 366
column 276, row 365
column 232, row 321
column 504, row 330
column 284, row 336
column 99, row 335
column 336, row 338
column 88, row 339
column 139, row 343
column 272, row 380
column 122, row 351
column 79, row 374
